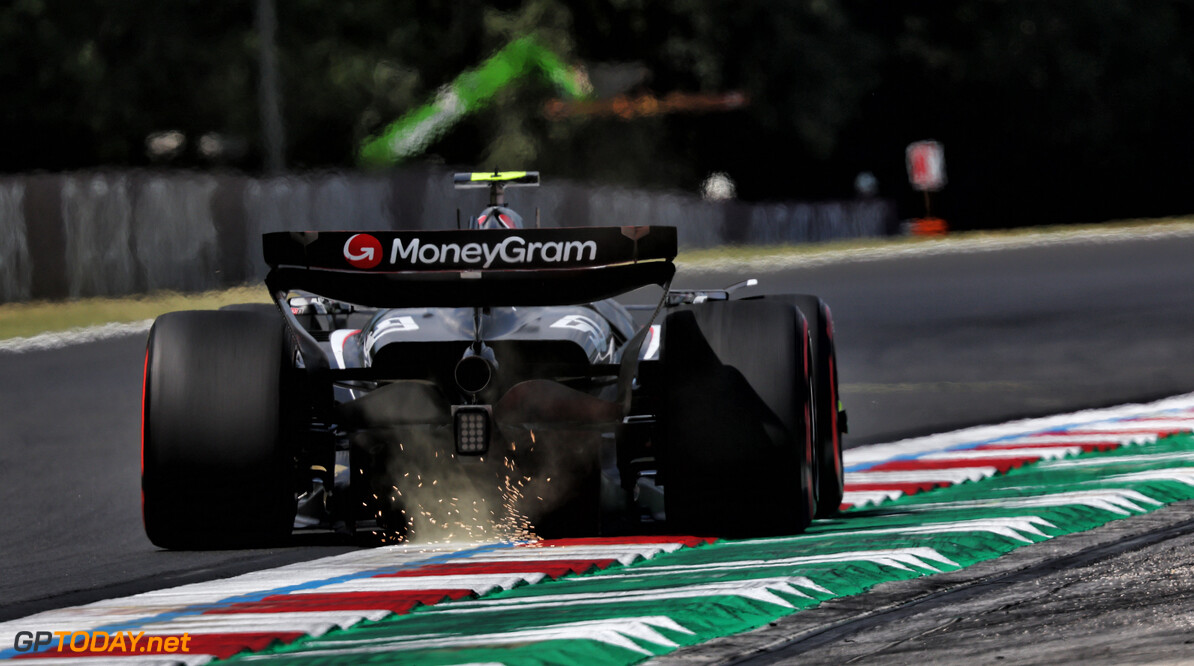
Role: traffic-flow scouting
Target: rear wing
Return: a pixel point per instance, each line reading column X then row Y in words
column 471, row 268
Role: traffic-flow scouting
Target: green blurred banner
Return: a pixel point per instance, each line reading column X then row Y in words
column 469, row 93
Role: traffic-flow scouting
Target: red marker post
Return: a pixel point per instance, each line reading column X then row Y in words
column 926, row 172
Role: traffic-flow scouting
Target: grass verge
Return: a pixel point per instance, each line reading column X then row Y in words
column 755, row 253
column 26, row 319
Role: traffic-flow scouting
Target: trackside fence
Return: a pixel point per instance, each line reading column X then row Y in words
column 115, row 233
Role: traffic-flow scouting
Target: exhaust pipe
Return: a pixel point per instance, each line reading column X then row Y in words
column 475, row 371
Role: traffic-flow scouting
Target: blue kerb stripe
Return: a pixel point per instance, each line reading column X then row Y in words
column 975, row 444
column 258, row 596
column 957, row 447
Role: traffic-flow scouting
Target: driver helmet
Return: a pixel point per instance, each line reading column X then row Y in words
column 497, row 217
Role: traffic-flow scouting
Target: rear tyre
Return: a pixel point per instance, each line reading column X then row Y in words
column 578, row 515
column 736, row 420
column 827, row 433
column 216, row 468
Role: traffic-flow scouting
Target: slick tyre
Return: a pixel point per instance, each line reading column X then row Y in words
column 827, row 430
column 736, row 424
column 216, row 468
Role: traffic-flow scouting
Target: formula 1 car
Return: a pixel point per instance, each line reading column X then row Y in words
column 482, row 383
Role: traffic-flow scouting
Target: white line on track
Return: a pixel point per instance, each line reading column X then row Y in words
column 782, row 259
column 74, row 336
column 948, row 476
column 964, row 244
column 971, row 454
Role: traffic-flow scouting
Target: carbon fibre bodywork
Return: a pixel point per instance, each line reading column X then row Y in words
column 482, row 383
column 565, row 451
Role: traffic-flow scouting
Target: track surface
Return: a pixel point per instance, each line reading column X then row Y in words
column 925, row 344
column 933, row 344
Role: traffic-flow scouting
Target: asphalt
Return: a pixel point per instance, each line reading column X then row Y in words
column 70, row 485
column 926, row 344
column 934, row 343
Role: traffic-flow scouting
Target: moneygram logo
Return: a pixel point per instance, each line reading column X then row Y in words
column 512, row 251
column 362, row 251
column 99, row 642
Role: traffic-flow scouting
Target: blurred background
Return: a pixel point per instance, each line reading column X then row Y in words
column 147, row 144
column 227, row 118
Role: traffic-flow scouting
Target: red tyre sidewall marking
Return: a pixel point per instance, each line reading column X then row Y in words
column 837, row 435
column 809, row 459
column 144, row 412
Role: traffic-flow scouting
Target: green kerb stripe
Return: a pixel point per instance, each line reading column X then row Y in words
column 627, row 614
